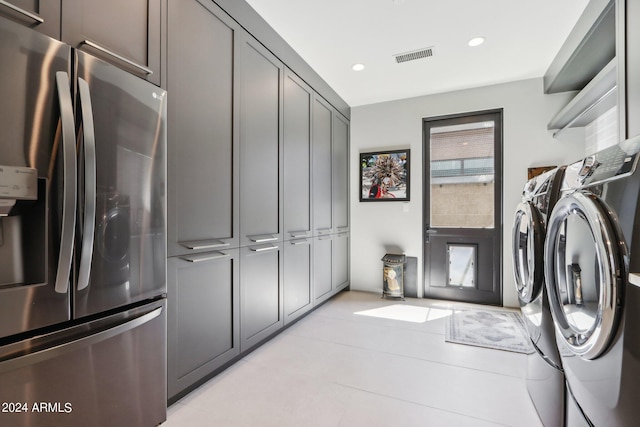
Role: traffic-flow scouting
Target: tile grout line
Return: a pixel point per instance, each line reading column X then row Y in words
column 405, row 356
column 416, row 403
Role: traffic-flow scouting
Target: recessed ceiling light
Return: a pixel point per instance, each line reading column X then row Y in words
column 357, row 67
column 476, row 41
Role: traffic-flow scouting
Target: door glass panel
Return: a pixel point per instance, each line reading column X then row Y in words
column 462, row 175
column 462, row 265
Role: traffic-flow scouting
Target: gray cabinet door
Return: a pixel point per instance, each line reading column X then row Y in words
column 41, row 15
column 261, row 77
column 322, row 268
column 298, row 295
column 260, row 293
column 321, row 169
column 203, row 316
column 297, row 157
column 202, row 162
column 340, row 170
column 340, row 270
column 123, row 32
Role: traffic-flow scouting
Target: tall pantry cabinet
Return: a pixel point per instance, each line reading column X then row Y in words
column 260, row 151
column 245, row 208
column 330, row 200
column 298, row 241
column 203, row 183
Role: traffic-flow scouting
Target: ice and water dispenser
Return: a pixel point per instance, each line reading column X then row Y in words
column 23, row 227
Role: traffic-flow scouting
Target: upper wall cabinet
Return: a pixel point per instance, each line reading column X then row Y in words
column 202, row 134
column 261, row 81
column 590, row 46
column 42, row 15
column 123, row 32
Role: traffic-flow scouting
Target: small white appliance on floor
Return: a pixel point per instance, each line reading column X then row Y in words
column 545, row 377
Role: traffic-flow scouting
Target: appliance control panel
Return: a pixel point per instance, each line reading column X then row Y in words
column 17, row 183
column 611, row 163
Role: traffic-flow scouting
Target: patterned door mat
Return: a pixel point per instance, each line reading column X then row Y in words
column 497, row 329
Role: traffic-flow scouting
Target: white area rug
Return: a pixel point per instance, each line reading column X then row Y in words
column 497, row 329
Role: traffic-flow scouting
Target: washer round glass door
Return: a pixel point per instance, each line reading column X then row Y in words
column 582, row 270
column 528, row 240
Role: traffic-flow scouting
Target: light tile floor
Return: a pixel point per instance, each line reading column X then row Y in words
column 353, row 362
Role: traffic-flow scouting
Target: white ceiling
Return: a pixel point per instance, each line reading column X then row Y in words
column 522, row 38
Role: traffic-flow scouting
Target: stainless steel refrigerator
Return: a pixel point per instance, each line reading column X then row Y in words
column 82, row 238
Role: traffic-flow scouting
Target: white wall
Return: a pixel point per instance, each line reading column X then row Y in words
column 377, row 228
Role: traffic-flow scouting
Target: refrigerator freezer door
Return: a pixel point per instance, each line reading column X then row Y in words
column 129, row 246
column 110, row 372
column 31, row 136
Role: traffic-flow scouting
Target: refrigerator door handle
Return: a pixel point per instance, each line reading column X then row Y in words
column 89, row 185
column 52, row 351
column 70, row 184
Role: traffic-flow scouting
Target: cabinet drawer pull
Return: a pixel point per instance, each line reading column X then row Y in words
column 208, row 257
column 323, row 230
column 262, row 248
column 299, row 242
column 121, row 58
column 263, row 238
column 204, row 244
column 296, row 234
column 35, row 18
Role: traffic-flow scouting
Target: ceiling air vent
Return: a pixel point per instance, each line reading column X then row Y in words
column 412, row 56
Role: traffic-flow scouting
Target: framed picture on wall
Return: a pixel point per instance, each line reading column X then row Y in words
column 384, row 176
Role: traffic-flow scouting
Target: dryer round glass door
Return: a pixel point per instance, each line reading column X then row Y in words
column 582, row 270
column 528, row 240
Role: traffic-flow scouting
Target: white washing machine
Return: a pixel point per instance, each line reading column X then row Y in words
column 592, row 246
column 545, row 377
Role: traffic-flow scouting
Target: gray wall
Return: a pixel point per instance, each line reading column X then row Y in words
column 380, row 227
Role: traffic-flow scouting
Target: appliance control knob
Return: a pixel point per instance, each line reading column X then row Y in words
column 589, row 165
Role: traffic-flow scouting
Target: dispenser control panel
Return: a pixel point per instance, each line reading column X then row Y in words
column 17, row 183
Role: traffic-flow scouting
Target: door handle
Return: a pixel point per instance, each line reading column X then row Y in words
column 56, row 350
column 299, row 242
column 35, row 18
column 206, row 257
column 428, row 233
column 142, row 69
column 89, row 185
column 263, row 238
column 263, row 248
column 298, row 234
column 204, row 244
column 70, row 184
column 576, row 276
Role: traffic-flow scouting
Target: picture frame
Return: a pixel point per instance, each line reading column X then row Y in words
column 385, row 176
